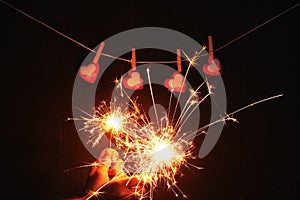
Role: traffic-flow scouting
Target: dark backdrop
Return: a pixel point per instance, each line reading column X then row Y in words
column 253, row 159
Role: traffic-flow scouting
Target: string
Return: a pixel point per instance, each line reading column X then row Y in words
column 47, row 26
column 145, row 62
column 257, row 27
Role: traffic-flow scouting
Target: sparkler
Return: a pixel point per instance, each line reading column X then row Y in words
column 153, row 154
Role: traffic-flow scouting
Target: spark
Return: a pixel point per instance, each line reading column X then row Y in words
column 108, row 120
column 192, row 62
column 159, row 158
column 114, row 122
column 152, row 96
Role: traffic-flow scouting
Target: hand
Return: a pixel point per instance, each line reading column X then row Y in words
column 107, row 179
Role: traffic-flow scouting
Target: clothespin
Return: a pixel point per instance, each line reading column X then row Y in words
column 213, row 68
column 210, row 48
column 178, row 61
column 98, row 53
column 133, row 59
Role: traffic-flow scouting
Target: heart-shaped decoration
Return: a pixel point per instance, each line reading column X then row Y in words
column 176, row 83
column 213, row 68
column 89, row 73
column 133, row 81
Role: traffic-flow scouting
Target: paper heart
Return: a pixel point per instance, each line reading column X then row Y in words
column 176, row 83
column 89, row 73
column 133, row 81
column 213, row 68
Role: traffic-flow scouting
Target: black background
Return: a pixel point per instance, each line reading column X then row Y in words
column 253, row 159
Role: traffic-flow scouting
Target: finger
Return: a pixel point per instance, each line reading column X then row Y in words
column 116, row 168
column 114, row 155
column 104, row 157
column 107, row 156
column 118, row 165
column 109, row 152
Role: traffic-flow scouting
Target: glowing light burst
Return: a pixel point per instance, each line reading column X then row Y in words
column 114, row 122
column 159, row 159
column 151, row 155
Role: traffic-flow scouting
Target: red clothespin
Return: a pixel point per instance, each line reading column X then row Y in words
column 98, row 53
column 213, row 68
column 90, row 73
column 210, row 48
column 178, row 61
column 133, row 59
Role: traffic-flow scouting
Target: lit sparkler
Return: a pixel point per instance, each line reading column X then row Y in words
column 152, row 154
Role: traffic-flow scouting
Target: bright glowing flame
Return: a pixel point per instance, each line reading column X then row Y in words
column 114, row 122
column 164, row 153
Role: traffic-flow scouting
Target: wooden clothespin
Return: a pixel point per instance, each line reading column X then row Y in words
column 179, row 61
column 210, row 48
column 133, row 59
column 98, row 53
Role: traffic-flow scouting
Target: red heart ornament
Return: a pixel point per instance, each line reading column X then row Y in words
column 89, row 73
column 213, row 68
column 176, row 83
column 133, row 81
